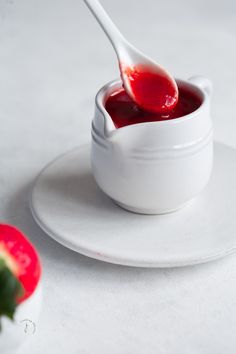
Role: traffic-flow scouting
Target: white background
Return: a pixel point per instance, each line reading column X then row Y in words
column 53, row 59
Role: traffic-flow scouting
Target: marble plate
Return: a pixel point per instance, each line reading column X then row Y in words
column 69, row 207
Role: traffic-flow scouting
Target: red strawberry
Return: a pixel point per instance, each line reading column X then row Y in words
column 20, row 269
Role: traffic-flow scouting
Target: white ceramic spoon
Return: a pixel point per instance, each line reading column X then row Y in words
column 144, row 80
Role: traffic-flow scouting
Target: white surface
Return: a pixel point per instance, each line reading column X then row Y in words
column 68, row 205
column 53, row 59
column 15, row 333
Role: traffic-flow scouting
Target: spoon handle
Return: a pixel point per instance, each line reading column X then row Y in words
column 114, row 35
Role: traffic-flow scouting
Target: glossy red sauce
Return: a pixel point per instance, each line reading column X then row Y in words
column 124, row 111
column 152, row 91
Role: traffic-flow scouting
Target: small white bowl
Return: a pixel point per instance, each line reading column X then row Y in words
column 153, row 167
column 14, row 333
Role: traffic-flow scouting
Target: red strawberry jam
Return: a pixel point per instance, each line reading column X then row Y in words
column 124, row 111
column 153, row 91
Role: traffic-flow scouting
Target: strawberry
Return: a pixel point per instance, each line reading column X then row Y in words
column 20, row 269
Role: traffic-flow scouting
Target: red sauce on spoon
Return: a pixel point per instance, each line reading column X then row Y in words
column 153, row 91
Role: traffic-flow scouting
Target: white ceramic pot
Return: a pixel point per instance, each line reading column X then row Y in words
column 153, row 167
column 14, row 334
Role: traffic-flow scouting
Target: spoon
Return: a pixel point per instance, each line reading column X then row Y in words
column 150, row 86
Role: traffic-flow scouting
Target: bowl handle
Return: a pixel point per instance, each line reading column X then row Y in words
column 203, row 83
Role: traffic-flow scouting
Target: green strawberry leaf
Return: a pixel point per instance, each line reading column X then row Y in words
column 10, row 290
